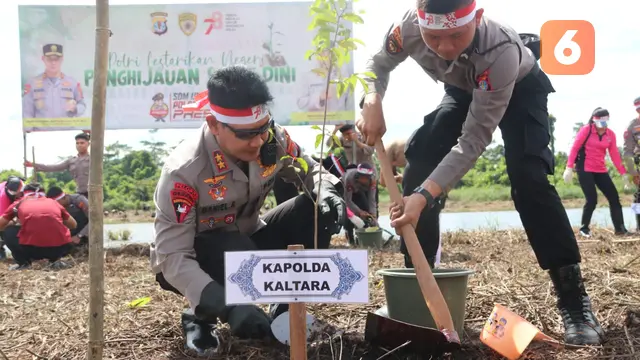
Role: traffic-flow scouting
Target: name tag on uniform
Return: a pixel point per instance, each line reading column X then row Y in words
column 67, row 93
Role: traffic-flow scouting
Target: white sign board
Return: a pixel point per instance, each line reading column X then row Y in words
column 310, row 276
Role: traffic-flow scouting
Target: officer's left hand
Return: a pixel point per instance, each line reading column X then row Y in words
column 330, row 202
column 636, row 180
column 406, row 213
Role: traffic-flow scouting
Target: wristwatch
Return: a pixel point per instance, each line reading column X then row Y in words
column 427, row 195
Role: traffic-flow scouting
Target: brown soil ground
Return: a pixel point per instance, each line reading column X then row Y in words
column 43, row 315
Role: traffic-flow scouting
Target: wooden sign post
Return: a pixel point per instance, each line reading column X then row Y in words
column 296, row 277
column 297, row 324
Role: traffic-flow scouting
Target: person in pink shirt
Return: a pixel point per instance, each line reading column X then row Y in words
column 588, row 157
column 10, row 190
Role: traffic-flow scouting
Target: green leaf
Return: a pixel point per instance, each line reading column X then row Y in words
column 369, row 74
column 340, row 89
column 303, row 164
column 320, row 72
column 336, row 140
column 319, row 138
column 140, row 302
column 364, row 84
column 356, row 19
column 316, row 127
column 309, row 54
column 285, row 157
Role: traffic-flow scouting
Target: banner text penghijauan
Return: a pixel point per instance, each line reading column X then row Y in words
column 167, row 69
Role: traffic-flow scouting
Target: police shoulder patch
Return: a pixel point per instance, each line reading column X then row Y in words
column 482, row 81
column 393, row 42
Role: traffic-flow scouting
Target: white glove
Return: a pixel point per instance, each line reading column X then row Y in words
column 568, row 175
column 625, row 181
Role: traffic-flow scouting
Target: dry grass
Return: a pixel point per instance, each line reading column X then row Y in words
column 43, row 314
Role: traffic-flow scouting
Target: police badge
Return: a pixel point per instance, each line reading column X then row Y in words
column 159, row 23
column 188, row 23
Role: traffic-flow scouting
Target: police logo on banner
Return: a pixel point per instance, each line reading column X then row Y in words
column 188, row 23
column 159, row 23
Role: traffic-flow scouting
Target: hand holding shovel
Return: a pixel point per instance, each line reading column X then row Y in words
column 430, row 290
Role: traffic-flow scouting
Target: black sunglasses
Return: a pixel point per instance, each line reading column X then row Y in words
column 248, row 134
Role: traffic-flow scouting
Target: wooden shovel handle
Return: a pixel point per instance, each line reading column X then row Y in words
column 430, row 290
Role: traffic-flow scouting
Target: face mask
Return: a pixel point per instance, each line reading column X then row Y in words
column 601, row 121
column 600, row 124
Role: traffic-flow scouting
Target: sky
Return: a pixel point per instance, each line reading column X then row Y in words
column 613, row 84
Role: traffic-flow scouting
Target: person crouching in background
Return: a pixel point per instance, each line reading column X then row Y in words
column 44, row 229
column 10, row 191
column 588, row 156
column 77, row 205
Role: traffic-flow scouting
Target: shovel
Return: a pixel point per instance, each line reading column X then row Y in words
column 392, row 334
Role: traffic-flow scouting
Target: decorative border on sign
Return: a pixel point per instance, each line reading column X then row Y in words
column 244, row 277
column 348, row 276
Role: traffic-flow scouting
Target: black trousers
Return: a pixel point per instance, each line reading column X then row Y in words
column 361, row 200
column 80, row 217
column 284, row 191
column 290, row 223
column 526, row 135
column 588, row 182
column 25, row 254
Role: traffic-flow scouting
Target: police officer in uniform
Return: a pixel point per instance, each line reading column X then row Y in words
column 360, row 195
column 78, row 165
column 631, row 157
column 52, row 94
column 491, row 79
column 208, row 199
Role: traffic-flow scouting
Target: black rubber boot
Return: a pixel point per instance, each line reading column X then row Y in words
column 638, row 222
column 276, row 309
column 581, row 325
column 199, row 336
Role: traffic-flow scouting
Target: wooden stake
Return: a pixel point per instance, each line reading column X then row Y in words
column 297, row 324
column 33, row 157
column 96, row 231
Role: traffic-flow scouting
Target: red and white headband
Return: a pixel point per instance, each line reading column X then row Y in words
column 364, row 171
column 59, row 197
column 601, row 118
column 637, row 103
column 450, row 20
column 228, row 116
column 33, row 193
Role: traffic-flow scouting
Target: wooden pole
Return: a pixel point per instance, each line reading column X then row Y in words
column 24, row 151
column 96, row 246
column 297, row 324
column 33, row 157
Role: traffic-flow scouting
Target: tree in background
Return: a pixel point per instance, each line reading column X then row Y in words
column 552, row 130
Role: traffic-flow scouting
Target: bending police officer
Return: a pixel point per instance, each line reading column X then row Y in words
column 491, row 79
column 208, row 199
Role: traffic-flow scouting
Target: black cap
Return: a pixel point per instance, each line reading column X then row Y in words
column 14, row 184
column 52, row 50
column 158, row 96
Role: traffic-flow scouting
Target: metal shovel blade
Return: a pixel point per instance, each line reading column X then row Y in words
column 390, row 334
